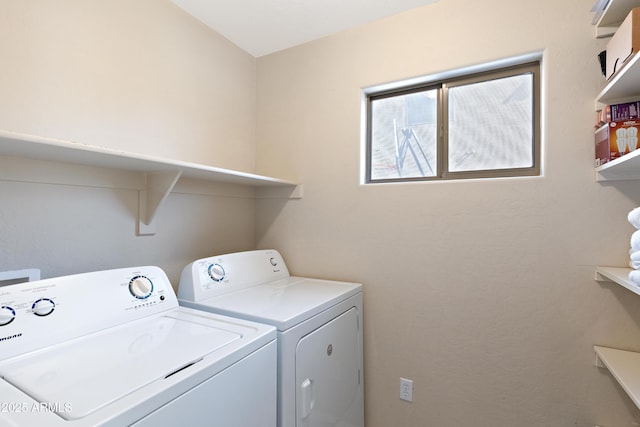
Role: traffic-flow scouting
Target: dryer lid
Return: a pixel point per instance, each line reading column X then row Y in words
column 282, row 303
column 83, row 375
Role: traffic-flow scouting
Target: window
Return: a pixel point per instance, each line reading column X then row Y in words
column 479, row 125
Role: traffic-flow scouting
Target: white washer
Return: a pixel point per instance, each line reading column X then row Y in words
column 319, row 323
column 115, row 348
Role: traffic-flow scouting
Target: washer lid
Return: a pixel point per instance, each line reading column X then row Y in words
column 91, row 372
column 283, row 303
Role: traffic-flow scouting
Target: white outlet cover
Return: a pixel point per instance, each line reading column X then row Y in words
column 406, row 389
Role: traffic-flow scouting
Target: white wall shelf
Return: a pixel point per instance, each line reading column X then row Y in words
column 623, row 168
column 160, row 175
column 624, row 85
column 613, row 15
column 617, row 275
column 624, row 367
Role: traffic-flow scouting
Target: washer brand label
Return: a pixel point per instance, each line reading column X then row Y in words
column 10, row 337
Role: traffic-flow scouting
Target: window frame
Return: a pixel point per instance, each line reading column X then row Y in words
column 443, row 83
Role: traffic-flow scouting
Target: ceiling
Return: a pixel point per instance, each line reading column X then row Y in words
column 261, row 27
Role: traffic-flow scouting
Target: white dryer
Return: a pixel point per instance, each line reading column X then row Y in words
column 319, row 323
column 114, row 348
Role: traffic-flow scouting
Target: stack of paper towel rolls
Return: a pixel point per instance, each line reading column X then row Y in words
column 634, row 252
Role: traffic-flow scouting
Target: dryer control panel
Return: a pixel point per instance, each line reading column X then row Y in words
column 46, row 312
column 218, row 275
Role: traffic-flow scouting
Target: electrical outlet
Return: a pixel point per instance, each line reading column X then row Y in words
column 406, row 389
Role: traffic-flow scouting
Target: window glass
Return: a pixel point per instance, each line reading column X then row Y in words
column 403, row 135
column 479, row 125
column 490, row 124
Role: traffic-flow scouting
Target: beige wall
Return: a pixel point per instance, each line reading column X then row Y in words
column 140, row 76
column 481, row 291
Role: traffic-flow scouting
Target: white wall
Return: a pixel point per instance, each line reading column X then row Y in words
column 480, row 291
column 140, row 76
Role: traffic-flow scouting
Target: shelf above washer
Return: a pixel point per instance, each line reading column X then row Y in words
column 160, row 175
column 36, row 147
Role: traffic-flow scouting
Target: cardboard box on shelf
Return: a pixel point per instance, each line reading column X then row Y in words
column 615, row 139
column 603, row 150
column 603, row 116
column 624, row 43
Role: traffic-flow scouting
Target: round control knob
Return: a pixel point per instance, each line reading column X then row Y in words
column 141, row 287
column 7, row 314
column 216, row 272
column 43, row 307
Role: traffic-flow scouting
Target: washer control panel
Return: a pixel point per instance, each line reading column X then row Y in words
column 46, row 312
